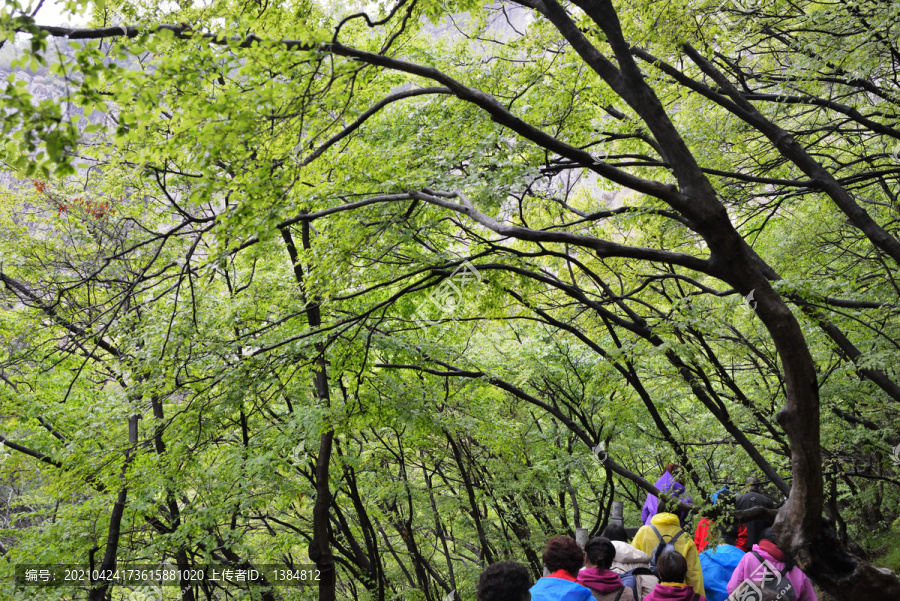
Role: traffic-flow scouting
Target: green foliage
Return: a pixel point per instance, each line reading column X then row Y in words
column 155, row 281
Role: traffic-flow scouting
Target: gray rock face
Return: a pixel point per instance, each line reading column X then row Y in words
column 44, row 86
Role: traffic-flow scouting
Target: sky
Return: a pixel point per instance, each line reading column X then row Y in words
column 51, row 13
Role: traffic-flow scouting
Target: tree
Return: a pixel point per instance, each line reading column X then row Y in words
column 400, row 156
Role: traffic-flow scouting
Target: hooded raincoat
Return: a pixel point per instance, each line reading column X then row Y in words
column 749, row 566
column 674, row 591
column 718, row 565
column 665, row 484
column 605, row 585
column 668, row 525
column 559, row 587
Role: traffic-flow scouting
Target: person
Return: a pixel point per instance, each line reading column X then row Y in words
column 701, row 534
column 666, row 527
column 672, row 483
column 673, row 568
column 718, row 564
column 504, row 581
column 563, row 558
column 752, row 570
column 752, row 529
column 630, row 561
column 605, row 584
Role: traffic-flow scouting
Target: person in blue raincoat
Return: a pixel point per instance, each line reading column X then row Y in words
column 718, row 565
column 563, row 558
column 670, row 482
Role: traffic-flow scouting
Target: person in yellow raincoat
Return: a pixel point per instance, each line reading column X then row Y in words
column 669, row 525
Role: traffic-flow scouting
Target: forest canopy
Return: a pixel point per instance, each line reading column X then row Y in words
column 402, row 289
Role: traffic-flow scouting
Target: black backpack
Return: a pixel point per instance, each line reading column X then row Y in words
column 662, row 547
column 774, row 585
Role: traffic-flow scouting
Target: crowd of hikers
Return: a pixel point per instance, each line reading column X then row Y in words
column 662, row 562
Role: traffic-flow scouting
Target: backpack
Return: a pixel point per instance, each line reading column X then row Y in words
column 597, row 595
column 662, row 547
column 773, row 585
column 629, row 579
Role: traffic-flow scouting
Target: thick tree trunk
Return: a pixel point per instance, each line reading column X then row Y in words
column 799, row 526
column 844, row 574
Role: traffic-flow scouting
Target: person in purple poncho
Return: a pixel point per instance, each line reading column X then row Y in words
column 672, row 482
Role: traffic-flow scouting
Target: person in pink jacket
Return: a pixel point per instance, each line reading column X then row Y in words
column 751, row 569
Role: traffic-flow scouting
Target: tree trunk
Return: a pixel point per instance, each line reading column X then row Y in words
column 320, row 546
